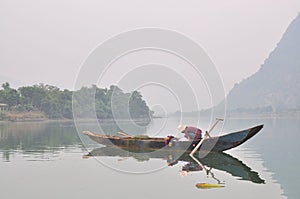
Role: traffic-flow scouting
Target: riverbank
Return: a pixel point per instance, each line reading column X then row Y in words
column 13, row 116
column 37, row 116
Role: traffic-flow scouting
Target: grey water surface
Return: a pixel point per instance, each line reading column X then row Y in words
column 48, row 160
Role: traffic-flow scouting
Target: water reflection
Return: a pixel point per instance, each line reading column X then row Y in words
column 34, row 139
column 273, row 153
column 213, row 161
column 41, row 139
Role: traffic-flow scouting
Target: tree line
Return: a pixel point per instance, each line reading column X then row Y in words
column 57, row 103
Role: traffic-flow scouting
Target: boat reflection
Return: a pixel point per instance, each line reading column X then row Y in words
column 214, row 160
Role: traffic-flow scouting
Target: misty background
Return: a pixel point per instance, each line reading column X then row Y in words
column 47, row 42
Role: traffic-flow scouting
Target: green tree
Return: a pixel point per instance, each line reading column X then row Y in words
column 33, row 95
column 56, row 103
column 9, row 96
column 137, row 106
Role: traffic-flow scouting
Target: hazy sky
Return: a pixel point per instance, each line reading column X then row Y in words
column 47, row 41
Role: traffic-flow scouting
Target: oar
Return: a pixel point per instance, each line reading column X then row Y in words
column 201, row 165
column 208, row 186
column 218, row 119
column 125, row 134
column 205, row 136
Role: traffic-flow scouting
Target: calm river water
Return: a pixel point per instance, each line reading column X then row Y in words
column 47, row 160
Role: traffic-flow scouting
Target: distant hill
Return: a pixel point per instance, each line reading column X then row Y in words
column 276, row 86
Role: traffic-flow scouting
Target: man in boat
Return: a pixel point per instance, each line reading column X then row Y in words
column 190, row 132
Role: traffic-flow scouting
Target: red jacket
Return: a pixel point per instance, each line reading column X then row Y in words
column 192, row 133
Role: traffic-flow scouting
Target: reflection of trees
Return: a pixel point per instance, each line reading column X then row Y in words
column 13, row 134
column 3, row 134
column 39, row 137
column 6, row 155
column 42, row 137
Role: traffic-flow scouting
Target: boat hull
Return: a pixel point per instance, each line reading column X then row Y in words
column 138, row 144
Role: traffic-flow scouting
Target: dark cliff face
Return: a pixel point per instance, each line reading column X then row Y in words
column 276, row 86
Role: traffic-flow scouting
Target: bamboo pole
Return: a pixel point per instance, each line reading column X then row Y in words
column 207, row 134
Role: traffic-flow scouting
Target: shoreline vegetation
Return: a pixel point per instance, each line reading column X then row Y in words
column 40, row 117
column 45, row 102
column 41, row 102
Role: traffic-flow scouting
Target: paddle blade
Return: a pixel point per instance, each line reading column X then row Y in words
column 208, row 186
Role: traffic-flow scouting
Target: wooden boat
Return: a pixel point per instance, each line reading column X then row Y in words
column 142, row 144
column 215, row 160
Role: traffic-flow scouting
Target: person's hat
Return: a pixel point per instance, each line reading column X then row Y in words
column 181, row 127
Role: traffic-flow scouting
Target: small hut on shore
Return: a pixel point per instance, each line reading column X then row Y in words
column 3, row 107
